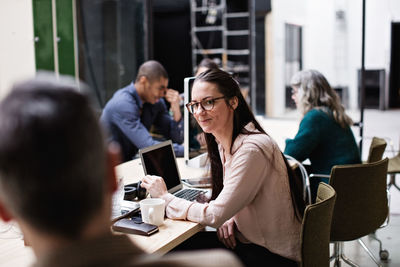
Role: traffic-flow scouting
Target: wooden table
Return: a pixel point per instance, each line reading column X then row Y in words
column 172, row 232
column 13, row 252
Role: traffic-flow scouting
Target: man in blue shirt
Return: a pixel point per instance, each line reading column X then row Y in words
column 134, row 109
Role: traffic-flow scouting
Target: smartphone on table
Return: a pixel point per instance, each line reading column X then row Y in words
column 203, row 182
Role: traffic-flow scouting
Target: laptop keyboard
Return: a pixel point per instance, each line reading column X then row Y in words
column 189, row 194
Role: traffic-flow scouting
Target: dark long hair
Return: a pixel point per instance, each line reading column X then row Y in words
column 242, row 115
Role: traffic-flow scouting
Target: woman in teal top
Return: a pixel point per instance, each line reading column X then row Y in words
column 324, row 135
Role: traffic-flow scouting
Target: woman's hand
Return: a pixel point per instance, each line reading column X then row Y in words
column 155, row 185
column 226, row 233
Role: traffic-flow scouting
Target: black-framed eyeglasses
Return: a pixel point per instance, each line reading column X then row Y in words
column 206, row 104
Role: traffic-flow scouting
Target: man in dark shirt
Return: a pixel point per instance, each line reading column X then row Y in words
column 133, row 110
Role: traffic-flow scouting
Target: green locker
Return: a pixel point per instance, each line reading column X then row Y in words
column 65, row 33
column 43, row 31
column 45, row 40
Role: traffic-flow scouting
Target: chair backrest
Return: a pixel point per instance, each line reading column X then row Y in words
column 296, row 165
column 361, row 202
column 394, row 165
column 376, row 149
column 316, row 228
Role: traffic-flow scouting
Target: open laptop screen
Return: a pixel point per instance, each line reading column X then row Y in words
column 160, row 160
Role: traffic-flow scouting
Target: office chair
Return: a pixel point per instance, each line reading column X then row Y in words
column 361, row 204
column 316, row 228
column 376, row 151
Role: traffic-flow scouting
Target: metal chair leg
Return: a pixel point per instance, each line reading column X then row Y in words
column 337, row 263
column 337, row 250
column 369, row 252
column 348, row 261
column 338, row 255
column 383, row 253
column 373, row 236
column 392, row 181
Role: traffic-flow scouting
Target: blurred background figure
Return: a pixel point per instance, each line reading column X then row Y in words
column 324, row 136
column 135, row 110
column 206, row 64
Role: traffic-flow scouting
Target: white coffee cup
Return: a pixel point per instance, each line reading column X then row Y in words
column 153, row 210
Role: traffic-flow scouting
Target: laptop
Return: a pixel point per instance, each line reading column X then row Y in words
column 160, row 160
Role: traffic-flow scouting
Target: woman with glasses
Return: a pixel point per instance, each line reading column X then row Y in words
column 256, row 204
column 197, row 139
column 324, row 136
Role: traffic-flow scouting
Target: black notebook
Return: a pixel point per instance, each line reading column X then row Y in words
column 131, row 227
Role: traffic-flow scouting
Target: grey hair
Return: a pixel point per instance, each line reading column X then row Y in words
column 318, row 94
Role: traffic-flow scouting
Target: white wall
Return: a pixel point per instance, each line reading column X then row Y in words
column 354, row 14
column 331, row 45
column 284, row 11
column 318, row 44
column 17, row 55
column 378, row 18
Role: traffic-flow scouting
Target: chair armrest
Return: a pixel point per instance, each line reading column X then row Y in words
column 304, row 174
column 317, row 175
